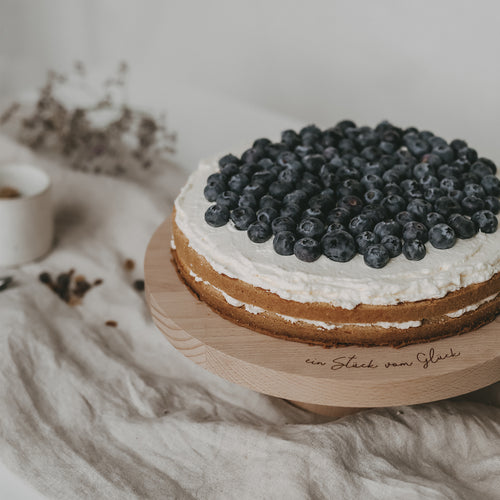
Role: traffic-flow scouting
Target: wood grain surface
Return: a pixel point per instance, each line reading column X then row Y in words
column 358, row 377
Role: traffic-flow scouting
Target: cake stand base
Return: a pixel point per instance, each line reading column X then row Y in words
column 332, row 382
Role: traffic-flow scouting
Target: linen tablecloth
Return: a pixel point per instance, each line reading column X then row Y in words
column 95, row 411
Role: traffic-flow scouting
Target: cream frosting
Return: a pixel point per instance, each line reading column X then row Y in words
column 346, row 285
column 472, row 307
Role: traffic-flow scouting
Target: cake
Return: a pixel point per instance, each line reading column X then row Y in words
column 344, row 236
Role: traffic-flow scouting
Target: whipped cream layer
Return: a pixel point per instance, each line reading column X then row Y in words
column 230, row 252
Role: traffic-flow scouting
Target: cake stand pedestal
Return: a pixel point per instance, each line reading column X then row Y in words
column 332, row 382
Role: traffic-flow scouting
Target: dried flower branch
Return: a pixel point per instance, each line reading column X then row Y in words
column 132, row 139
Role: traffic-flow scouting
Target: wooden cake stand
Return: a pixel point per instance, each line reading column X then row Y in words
column 333, row 382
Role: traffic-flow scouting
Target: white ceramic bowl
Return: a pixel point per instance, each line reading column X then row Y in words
column 26, row 222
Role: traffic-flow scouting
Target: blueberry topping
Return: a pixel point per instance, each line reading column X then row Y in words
column 433, row 218
column 259, row 232
column 307, row 249
column 463, row 226
column 311, row 227
column 280, row 224
column 242, row 217
column 415, row 231
column 213, row 189
column 414, row 250
column 386, row 228
column 339, row 246
column 284, row 242
column 486, row 221
column 228, row 199
column 377, row 191
column 365, row 240
column 376, row 256
column 217, row 215
column 442, row 236
column 237, row 182
column 393, row 245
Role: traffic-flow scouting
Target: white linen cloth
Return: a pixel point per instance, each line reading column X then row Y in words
column 91, row 411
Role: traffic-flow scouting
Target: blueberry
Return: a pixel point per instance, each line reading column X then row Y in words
column 351, row 203
column 242, row 217
column 266, row 163
column 463, row 226
column 458, row 144
column 366, row 239
column 350, row 186
column 491, row 185
column 255, row 189
column 322, row 202
column 311, row 227
column 217, row 177
column 472, row 204
column 492, row 203
column 249, row 169
column 268, row 201
column 481, row 169
column 383, row 229
column 339, row 246
column 403, row 217
column 414, row 250
column 442, row 236
column 372, row 181
column 261, row 143
column 327, row 175
column 298, row 196
column 432, row 159
column 421, row 170
column 279, row 189
column 489, row 163
column 252, row 155
column 408, row 184
column 345, row 172
column 228, row 199
column 263, row 178
column 486, row 221
column 302, row 150
column 373, row 169
column 289, row 176
column 432, row 194
column 392, row 244
column 429, row 181
column 291, row 210
column 280, row 224
column 217, row 215
column 339, row 215
column 290, row 138
column 450, row 183
column 376, row 256
column 433, row 218
column 286, row 157
column 374, row 196
column 307, row 249
column 310, row 186
column 360, row 223
column 313, row 163
column 469, row 178
column 456, row 195
column 237, row 182
column 475, row 190
column 376, row 212
column 247, row 200
column 392, row 188
column 284, row 242
column 446, row 206
column 267, row 215
column 390, row 176
column 312, row 212
column 417, row 147
column 213, row 189
column 394, row 204
column 259, row 232
column 419, row 208
column 228, row 159
column 468, row 153
column 444, row 152
column 415, row 231
column 413, row 194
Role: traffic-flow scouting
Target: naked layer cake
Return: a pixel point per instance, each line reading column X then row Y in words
column 349, row 235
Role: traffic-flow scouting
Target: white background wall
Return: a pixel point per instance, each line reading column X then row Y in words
column 435, row 64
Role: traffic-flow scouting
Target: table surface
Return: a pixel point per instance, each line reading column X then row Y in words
column 206, row 123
